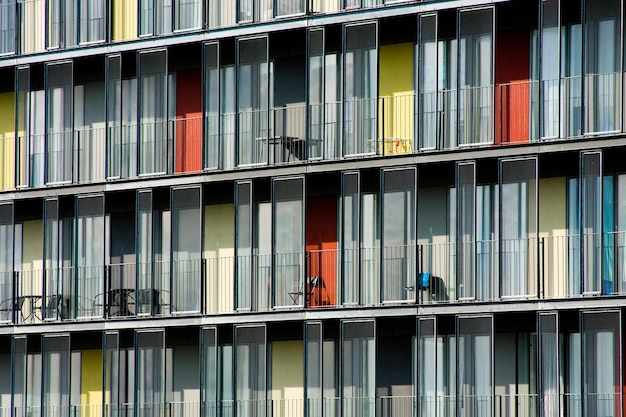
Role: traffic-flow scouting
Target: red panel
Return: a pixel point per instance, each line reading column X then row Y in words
column 321, row 249
column 512, row 109
column 189, row 120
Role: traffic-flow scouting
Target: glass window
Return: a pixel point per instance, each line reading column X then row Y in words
column 154, row 144
column 288, row 242
column 549, row 364
column 255, row 10
column 62, row 23
column 89, row 255
column 602, row 364
column 148, row 298
column 212, row 145
column 33, row 25
column 150, row 370
column 209, row 371
column 188, row 14
column 7, row 26
column 351, row 208
column 360, row 78
column 111, row 366
column 466, row 230
column 290, row 7
column 518, row 230
column 93, row 24
column 427, row 81
column 591, row 216
column 56, row 372
column 6, row 261
column 243, row 199
column 59, row 275
column 19, row 375
column 186, row 248
column 313, row 357
column 253, row 101
column 474, row 357
column 60, row 99
column 427, row 368
column 358, row 358
column 222, row 13
column 399, row 257
column 250, row 368
column 475, row 77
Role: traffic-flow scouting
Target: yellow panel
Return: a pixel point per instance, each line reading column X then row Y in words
column 219, row 252
column 552, row 227
column 32, row 245
column 7, row 141
column 288, row 376
column 124, row 19
column 91, row 383
column 396, row 103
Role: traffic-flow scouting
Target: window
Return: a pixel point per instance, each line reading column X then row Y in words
column 93, row 25
column 7, row 26
column 188, row 14
column 59, row 129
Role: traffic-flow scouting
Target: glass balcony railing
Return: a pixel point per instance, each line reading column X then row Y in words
column 530, row 268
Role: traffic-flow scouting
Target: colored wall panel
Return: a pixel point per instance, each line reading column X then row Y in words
column 552, row 227
column 288, row 376
column 395, row 125
column 219, row 252
column 91, row 382
column 124, row 19
column 7, row 141
column 189, row 120
column 512, row 107
column 321, row 249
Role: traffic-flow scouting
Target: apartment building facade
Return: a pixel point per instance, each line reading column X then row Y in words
column 312, row 208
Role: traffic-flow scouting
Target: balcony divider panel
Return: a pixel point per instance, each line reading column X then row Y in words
column 150, row 373
column 209, row 373
column 111, row 373
column 427, row 384
column 591, row 218
column 250, row 367
column 213, row 144
column 548, row 364
column 314, row 394
column 466, row 230
column 147, row 299
column 358, row 370
column 19, row 374
column 350, row 238
column 243, row 243
column 56, row 375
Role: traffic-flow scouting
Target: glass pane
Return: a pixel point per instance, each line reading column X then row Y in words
column 591, row 205
column 601, row 369
column 93, row 21
column 313, row 355
column 550, row 70
column 429, row 108
column 427, row 368
column 350, row 238
column 360, row 77
column 475, row 77
column 290, row 7
column 475, row 359
column 209, row 369
column 58, row 269
column 549, row 364
column 250, row 368
column 603, row 80
column 399, row 257
column 59, row 97
column 188, row 14
column 155, row 146
column 186, row 248
column 359, row 360
column 222, row 13
column 243, row 198
column 19, row 375
column 289, row 243
column 316, row 92
column 114, row 114
column 212, row 106
column 147, row 298
column 571, row 52
column 7, row 26
column 253, row 101
column 6, row 262
column 89, row 255
column 466, row 230
column 150, row 374
column 56, row 373
column 518, row 217
column 111, row 374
